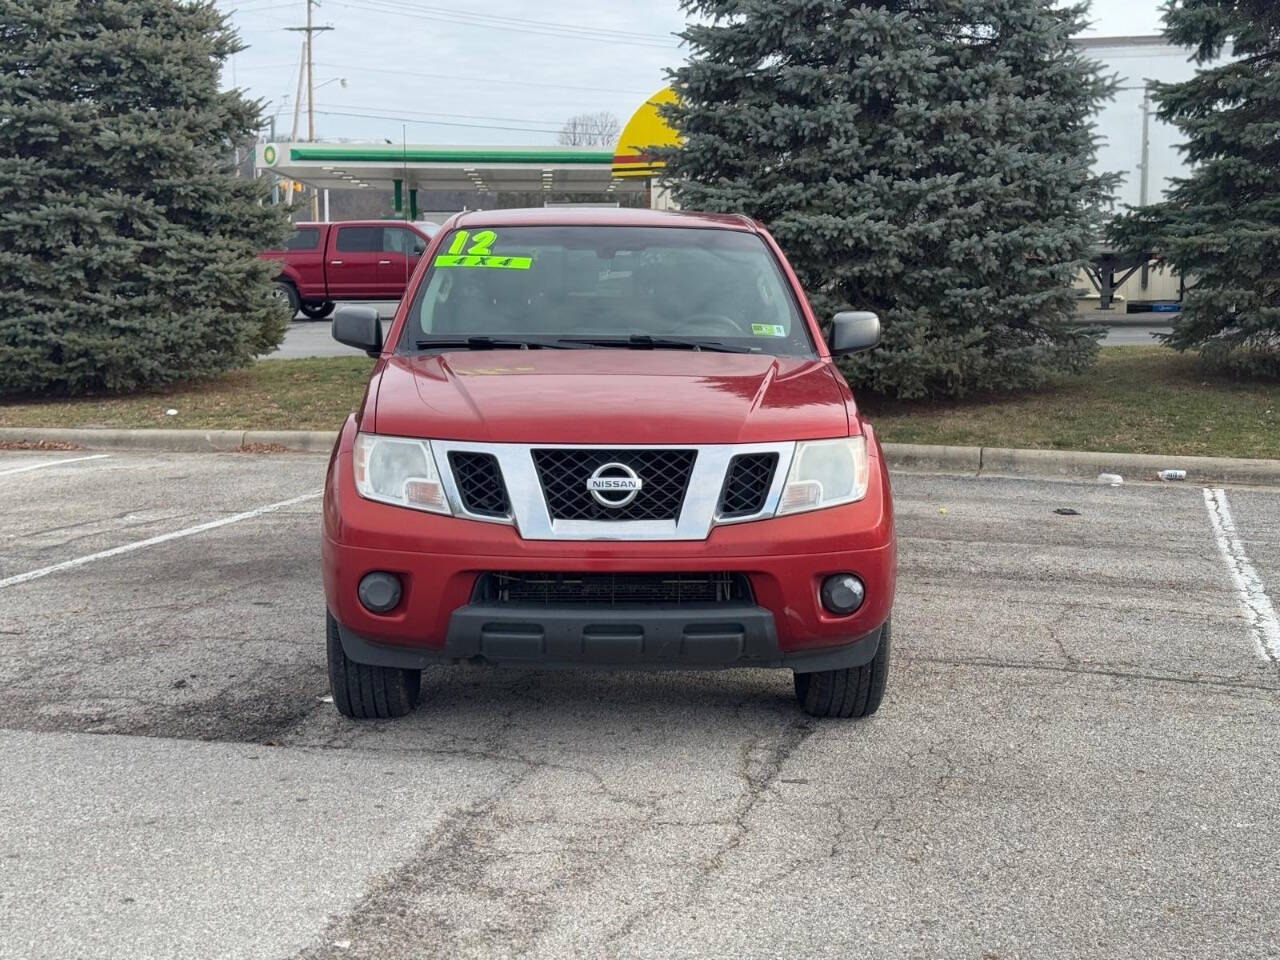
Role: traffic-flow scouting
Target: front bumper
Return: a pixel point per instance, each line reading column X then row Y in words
column 439, row 559
column 715, row 636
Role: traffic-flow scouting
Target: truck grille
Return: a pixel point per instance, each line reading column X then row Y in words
column 611, row 589
column 479, row 481
column 747, row 485
column 664, row 475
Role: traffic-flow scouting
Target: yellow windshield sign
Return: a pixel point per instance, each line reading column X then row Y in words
column 479, row 253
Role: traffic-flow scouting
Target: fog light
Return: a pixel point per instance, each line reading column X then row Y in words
column 380, row 592
column 842, row 594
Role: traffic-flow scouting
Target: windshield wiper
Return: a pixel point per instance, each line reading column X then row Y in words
column 480, row 342
column 641, row 341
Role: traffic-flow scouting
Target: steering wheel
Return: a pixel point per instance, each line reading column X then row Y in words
column 712, row 323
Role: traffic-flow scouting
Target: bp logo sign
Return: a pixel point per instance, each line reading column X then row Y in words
column 270, row 154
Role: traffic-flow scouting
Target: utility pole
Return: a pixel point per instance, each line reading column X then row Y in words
column 310, row 30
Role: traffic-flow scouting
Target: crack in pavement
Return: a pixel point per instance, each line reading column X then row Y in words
column 1062, row 647
column 449, row 864
column 449, row 898
column 759, row 764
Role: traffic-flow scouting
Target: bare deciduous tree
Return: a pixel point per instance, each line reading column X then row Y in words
column 600, row 129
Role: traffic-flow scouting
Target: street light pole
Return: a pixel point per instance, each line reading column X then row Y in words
column 1145, row 183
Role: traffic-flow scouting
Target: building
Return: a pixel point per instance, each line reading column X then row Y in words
column 1136, row 143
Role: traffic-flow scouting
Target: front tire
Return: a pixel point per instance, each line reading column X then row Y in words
column 365, row 692
column 852, row 692
column 317, row 311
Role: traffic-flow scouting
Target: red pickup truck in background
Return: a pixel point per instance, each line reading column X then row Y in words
column 354, row 260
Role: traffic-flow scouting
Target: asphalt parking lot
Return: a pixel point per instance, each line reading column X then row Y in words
column 313, row 338
column 1077, row 755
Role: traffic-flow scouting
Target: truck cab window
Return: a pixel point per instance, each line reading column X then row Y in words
column 400, row 240
column 360, row 239
column 305, row 239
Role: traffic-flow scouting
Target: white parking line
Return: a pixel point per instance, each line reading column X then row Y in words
column 52, row 463
column 152, row 541
column 1263, row 623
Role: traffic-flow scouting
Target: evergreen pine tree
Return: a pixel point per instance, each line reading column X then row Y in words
column 127, row 244
column 926, row 159
column 1220, row 225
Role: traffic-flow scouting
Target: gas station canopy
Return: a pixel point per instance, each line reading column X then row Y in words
column 419, row 167
column 415, row 167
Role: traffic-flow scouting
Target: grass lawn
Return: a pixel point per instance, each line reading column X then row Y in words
column 312, row 394
column 1137, row 400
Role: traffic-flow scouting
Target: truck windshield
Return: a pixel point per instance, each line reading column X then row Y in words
column 591, row 287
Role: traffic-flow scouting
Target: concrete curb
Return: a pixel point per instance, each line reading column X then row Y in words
column 175, row 441
column 923, row 456
column 1131, row 466
column 308, row 441
column 974, row 461
column 1081, row 464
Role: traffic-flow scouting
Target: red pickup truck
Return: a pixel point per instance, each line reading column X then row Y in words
column 611, row 439
column 353, row 260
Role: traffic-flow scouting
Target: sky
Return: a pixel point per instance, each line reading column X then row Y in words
column 431, row 73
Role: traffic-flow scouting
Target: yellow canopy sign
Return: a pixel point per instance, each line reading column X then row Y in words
column 645, row 130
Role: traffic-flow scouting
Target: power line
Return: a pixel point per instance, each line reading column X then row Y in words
column 358, row 68
column 277, row 6
column 310, row 31
column 487, row 19
column 546, row 29
column 280, row 103
column 431, row 123
column 449, row 76
column 551, row 125
column 540, row 24
column 271, row 66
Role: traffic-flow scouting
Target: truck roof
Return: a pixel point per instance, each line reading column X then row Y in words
column 600, row 217
column 420, row 224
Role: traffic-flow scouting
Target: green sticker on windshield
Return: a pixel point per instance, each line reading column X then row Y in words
column 479, row 253
column 501, row 263
column 768, row 330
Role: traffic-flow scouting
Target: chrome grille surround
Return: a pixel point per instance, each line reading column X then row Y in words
column 533, row 520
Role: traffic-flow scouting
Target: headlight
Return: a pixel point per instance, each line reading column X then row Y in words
column 399, row 471
column 825, row 473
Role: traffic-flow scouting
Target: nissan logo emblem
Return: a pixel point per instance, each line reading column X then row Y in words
column 614, row 485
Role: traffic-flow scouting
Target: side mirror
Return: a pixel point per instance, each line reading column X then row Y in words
column 358, row 327
column 417, row 250
column 854, row 330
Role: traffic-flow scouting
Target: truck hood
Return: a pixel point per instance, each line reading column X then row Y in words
column 610, row 396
